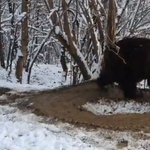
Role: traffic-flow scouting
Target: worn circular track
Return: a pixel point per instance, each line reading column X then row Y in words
column 64, row 104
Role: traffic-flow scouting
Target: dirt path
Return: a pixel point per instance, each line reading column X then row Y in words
column 64, row 104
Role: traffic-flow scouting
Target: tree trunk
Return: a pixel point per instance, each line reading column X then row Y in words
column 19, row 69
column 111, row 23
column 99, row 23
column 63, row 63
column 92, row 32
column 70, row 47
column 73, row 50
column 24, row 40
column 1, row 45
column 11, row 7
column 24, row 43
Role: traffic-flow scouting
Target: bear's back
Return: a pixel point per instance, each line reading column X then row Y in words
column 134, row 48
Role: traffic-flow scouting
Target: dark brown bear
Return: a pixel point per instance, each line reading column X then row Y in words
column 127, row 67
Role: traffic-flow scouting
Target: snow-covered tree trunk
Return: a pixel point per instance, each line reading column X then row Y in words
column 63, row 63
column 19, row 66
column 12, row 37
column 24, row 43
column 72, row 47
column 69, row 42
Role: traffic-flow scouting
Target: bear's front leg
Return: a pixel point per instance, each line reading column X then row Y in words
column 103, row 81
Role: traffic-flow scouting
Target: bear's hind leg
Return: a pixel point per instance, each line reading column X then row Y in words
column 130, row 90
column 148, row 82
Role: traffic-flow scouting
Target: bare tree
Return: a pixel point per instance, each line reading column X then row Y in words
column 1, row 36
column 73, row 32
column 111, row 22
column 22, row 55
column 11, row 7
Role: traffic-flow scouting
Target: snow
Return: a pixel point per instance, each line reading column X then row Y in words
column 134, row 13
column 103, row 107
column 20, row 131
column 52, row 12
column 79, row 54
column 19, row 54
column 7, row 19
column 57, row 29
column 21, row 16
column 24, row 131
column 43, row 77
column 147, row 26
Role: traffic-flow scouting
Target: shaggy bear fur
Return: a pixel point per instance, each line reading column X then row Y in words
column 127, row 67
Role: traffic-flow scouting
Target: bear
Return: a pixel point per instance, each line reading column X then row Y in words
column 126, row 62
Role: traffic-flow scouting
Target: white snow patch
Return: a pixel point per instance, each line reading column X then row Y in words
column 19, row 17
column 22, row 87
column 43, row 77
column 19, row 53
column 104, row 107
column 24, row 132
column 3, row 97
column 57, row 29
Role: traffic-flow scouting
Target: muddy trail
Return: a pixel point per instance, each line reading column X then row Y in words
column 65, row 103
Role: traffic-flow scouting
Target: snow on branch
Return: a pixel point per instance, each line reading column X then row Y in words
column 135, row 13
column 3, row 21
column 39, row 49
column 80, row 55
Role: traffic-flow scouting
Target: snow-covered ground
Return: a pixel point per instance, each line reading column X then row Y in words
column 42, row 77
column 20, row 131
column 25, row 131
column 103, row 107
